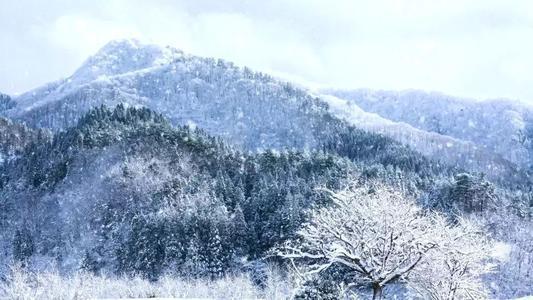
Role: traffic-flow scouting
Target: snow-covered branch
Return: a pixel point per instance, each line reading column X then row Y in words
column 382, row 237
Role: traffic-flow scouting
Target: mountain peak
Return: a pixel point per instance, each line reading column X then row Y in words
column 123, row 56
column 122, row 43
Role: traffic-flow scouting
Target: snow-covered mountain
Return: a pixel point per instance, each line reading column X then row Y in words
column 115, row 58
column 246, row 108
column 438, row 146
column 499, row 126
column 118, row 189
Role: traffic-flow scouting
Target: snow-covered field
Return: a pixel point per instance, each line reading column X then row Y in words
column 50, row 285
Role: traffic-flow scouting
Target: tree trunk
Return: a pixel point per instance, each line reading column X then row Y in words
column 377, row 291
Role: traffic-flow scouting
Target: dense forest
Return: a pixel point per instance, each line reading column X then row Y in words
column 152, row 166
column 125, row 192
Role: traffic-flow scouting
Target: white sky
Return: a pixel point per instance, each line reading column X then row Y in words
column 472, row 48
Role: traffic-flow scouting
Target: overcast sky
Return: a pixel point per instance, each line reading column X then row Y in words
column 478, row 48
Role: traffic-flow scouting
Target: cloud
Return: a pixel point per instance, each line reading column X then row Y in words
column 475, row 48
column 86, row 35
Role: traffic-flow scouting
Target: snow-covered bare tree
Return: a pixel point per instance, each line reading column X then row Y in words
column 376, row 233
column 455, row 269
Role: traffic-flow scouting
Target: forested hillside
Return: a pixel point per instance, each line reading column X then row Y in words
column 127, row 157
column 15, row 137
column 153, row 164
column 123, row 191
column 248, row 109
column 500, row 125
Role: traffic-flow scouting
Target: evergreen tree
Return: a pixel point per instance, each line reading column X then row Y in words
column 194, row 266
column 23, row 246
column 90, row 262
column 240, row 231
column 471, row 193
column 215, row 255
column 6, row 102
column 146, row 251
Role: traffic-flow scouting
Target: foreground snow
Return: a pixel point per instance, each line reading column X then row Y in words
column 23, row 285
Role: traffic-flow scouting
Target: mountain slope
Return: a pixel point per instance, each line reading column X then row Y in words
column 437, row 146
column 130, row 190
column 498, row 126
column 248, row 109
column 125, row 192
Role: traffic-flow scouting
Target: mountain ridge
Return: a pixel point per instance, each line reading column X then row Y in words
column 247, row 108
column 497, row 125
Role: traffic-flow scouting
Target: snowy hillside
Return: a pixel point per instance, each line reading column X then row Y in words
column 432, row 144
column 126, row 179
column 500, row 126
column 169, row 167
column 246, row 108
column 115, row 58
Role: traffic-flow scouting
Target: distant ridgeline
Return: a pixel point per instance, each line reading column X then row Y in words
column 490, row 136
column 250, row 110
column 124, row 191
